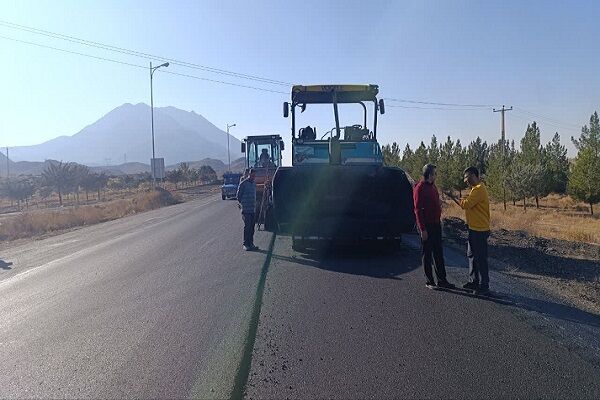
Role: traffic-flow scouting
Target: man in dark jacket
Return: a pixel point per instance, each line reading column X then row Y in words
column 428, row 211
column 246, row 197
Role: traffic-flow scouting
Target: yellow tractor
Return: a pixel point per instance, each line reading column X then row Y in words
column 337, row 186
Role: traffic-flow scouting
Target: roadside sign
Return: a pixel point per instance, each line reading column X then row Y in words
column 158, row 166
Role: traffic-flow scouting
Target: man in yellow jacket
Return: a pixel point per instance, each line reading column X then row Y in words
column 477, row 210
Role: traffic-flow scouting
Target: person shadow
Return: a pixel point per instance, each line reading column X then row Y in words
column 544, row 307
column 5, row 265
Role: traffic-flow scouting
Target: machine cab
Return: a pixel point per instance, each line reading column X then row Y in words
column 354, row 144
column 263, row 154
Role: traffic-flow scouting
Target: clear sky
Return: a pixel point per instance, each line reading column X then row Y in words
column 540, row 56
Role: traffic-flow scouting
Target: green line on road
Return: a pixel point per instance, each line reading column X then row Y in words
column 241, row 377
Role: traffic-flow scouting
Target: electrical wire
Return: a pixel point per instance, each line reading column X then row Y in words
column 430, row 108
column 543, row 117
column 140, row 66
column 135, row 53
column 438, row 104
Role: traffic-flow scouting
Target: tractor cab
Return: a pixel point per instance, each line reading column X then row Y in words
column 354, row 144
column 263, row 154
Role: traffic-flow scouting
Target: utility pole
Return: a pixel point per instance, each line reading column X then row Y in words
column 503, row 143
column 153, row 162
column 228, row 154
column 7, row 166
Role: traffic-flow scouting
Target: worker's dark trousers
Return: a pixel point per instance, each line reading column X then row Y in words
column 432, row 249
column 477, row 252
column 248, row 219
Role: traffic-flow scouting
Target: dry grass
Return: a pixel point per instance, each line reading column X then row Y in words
column 559, row 217
column 39, row 222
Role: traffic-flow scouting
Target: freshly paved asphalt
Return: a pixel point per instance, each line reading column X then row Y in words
column 364, row 326
column 165, row 304
column 150, row 306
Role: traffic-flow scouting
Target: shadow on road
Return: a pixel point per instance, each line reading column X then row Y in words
column 5, row 265
column 369, row 261
column 544, row 307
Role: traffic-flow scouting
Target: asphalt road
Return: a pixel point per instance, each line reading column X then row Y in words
column 150, row 306
column 165, row 304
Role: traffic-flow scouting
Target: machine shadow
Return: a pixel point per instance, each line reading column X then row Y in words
column 373, row 261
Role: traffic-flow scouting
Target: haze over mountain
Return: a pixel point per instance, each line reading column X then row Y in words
column 124, row 134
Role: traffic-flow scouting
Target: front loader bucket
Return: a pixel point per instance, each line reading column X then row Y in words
column 351, row 202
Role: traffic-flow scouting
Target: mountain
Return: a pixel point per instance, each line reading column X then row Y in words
column 124, row 133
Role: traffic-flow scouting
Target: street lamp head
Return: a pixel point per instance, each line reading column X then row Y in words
column 164, row 65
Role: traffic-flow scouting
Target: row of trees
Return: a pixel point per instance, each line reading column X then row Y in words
column 191, row 176
column 531, row 171
column 66, row 179
column 58, row 177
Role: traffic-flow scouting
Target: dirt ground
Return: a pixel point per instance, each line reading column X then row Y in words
column 185, row 194
column 566, row 268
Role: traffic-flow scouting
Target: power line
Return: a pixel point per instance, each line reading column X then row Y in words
column 437, row 104
column 140, row 66
column 525, row 118
column 135, row 53
column 429, row 108
column 186, row 64
column 72, row 52
column 557, row 122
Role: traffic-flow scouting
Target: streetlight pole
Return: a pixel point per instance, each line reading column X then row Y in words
column 153, row 166
column 228, row 154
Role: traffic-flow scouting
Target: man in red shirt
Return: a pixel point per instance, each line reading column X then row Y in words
column 428, row 210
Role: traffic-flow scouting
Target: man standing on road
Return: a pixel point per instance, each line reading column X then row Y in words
column 246, row 197
column 428, row 211
column 477, row 211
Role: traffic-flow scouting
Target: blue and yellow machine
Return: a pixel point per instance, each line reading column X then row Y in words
column 337, row 186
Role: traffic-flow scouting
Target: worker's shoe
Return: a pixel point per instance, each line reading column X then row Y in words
column 471, row 286
column 247, row 248
column 254, row 247
column 430, row 285
column 445, row 285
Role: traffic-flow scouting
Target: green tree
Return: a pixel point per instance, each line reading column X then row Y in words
column 583, row 182
column 184, row 168
column 420, row 158
column 445, row 165
column 79, row 175
column 556, row 165
column 194, row 175
column 477, row 155
column 19, row 190
column 520, row 179
column 433, row 152
column 407, row 160
column 391, row 155
column 459, row 163
column 532, row 153
column 59, row 176
column 590, row 136
column 497, row 171
column 207, row 174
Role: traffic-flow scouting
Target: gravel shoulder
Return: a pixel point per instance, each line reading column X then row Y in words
column 569, row 270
